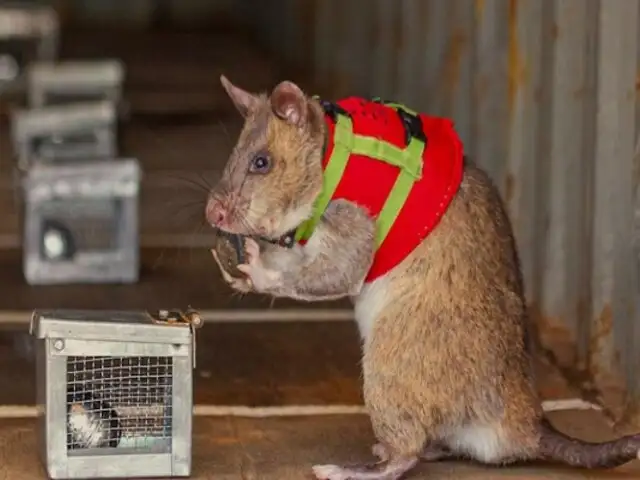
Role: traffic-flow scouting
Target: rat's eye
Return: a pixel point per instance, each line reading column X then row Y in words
column 260, row 164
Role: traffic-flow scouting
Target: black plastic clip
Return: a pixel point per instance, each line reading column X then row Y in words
column 412, row 123
column 287, row 240
column 333, row 110
column 412, row 126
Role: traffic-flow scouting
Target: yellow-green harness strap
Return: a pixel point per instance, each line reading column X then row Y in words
column 346, row 143
column 343, row 135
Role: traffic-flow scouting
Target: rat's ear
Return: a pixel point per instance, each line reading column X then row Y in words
column 243, row 100
column 289, row 103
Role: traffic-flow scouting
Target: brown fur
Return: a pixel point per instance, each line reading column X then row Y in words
column 471, row 352
column 446, row 359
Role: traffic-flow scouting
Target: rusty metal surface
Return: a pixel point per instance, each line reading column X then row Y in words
column 545, row 96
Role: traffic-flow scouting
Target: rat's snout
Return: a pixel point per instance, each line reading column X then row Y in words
column 227, row 212
column 216, row 212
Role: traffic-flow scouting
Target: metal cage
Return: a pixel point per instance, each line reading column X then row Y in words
column 75, row 81
column 71, row 132
column 27, row 33
column 114, row 391
column 81, row 222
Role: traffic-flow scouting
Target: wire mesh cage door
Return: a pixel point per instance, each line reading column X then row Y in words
column 81, row 224
column 113, row 407
column 57, row 134
column 121, row 402
column 73, row 81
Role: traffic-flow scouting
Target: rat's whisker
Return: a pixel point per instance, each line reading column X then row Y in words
column 224, row 129
column 199, row 186
column 200, row 204
column 209, row 185
column 196, row 231
column 185, row 214
column 158, row 261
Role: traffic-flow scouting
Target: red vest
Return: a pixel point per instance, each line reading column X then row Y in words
column 368, row 181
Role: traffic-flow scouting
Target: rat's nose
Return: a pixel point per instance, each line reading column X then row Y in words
column 216, row 213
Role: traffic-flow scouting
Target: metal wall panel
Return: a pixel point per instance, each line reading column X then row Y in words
column 544, row 94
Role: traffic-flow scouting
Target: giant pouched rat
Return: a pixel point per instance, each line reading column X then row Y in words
column 446, row 357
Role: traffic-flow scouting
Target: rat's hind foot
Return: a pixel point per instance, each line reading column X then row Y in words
column 430, row 453
column 389, row 470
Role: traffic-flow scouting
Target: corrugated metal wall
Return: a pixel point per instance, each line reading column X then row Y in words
column 545, row 95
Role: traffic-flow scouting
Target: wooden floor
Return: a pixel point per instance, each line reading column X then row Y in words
column 285, row 364
column 251, row 364
column 170, row 278
column 256, row 364
column 226, row 448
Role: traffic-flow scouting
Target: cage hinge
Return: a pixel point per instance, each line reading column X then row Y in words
column 189, row 317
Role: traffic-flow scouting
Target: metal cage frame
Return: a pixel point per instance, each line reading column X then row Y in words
column 60, row 334
column 20, row 20
column 96, row 118
column 107, row 179
column 99, row 79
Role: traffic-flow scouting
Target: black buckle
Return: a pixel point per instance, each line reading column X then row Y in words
column 412, row 126
column 412, row 123
column 287, row 240
column 332, row 110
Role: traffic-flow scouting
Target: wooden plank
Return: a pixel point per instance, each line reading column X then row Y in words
column 228, row 375
column 226, row 448
column 176, row 277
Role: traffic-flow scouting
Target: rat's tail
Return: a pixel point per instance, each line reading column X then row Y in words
column 558, row 447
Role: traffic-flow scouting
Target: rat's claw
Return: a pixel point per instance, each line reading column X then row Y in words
column 330, row 472
column 262, row 279
column 380, row 452
column 243, row 285
column 225, row 276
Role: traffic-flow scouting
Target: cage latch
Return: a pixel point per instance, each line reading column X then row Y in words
column 189, row 317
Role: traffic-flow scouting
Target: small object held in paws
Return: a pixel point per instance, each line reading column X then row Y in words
column 230, row 250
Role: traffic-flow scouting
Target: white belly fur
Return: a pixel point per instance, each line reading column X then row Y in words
column 369, row 303
column 486, row 443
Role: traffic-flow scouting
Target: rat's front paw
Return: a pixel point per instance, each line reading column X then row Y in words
column 264, row 280
column 242, row 285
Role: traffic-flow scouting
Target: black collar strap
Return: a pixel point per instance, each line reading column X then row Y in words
column 287, row 240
